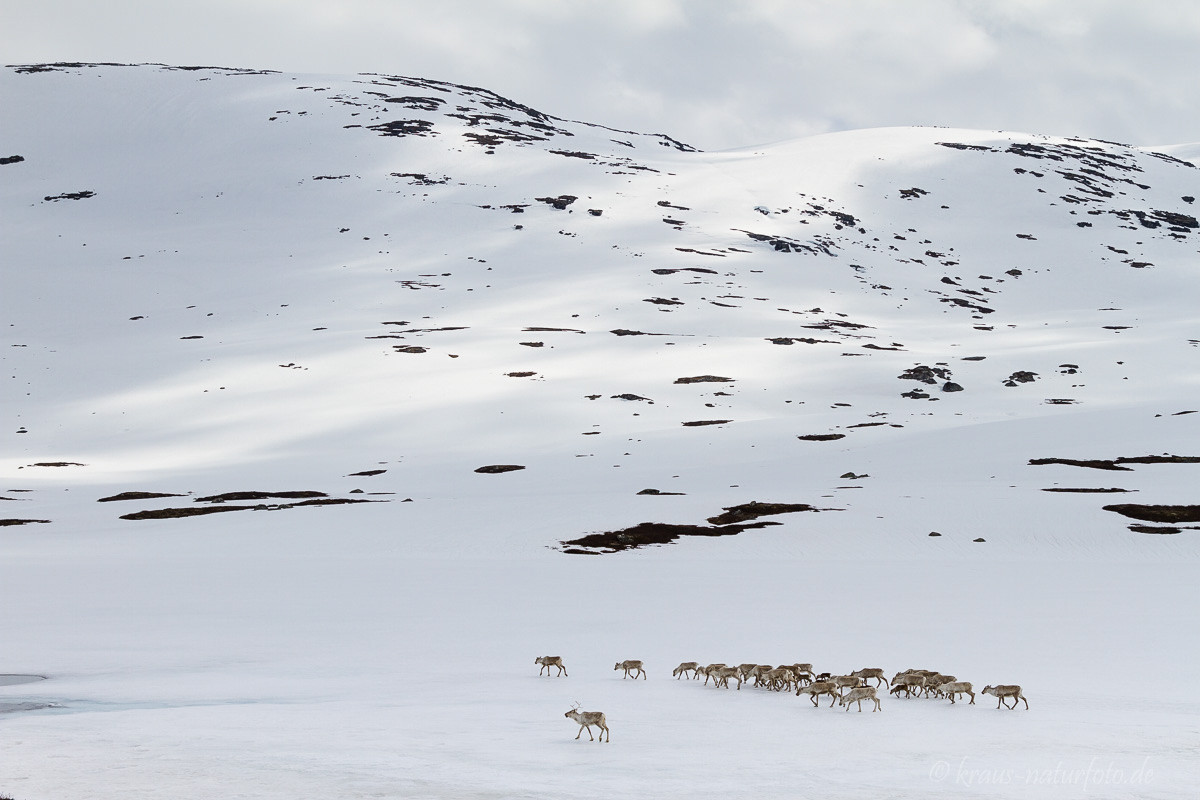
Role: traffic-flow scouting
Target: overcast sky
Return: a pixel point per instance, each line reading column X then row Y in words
column 714, row 73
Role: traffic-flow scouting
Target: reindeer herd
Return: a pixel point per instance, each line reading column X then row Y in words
column 800, row 678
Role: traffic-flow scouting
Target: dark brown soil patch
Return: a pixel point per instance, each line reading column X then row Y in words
column 69, row 196
column 822, row 437
column 1071, row 462
column 327, row 501
column 754, row 510
column 495, row 468
column 295, row 495
column 1170, row 514
column 1159, row 529
column 7, row 522
column 189, row 511
column 367, row 473
column 697, row 423
column 58, row 464
column 136, row 496
column 704, row 379
column 659, row 493
column 195, row 511
column 789, row 340
column 1086, row 491
column 649, row 533
column 1159, row 460
column 1115, row 463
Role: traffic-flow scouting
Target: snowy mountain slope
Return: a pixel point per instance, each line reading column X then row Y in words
column 221, row 281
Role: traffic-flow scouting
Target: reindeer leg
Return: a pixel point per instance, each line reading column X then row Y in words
column 580, row 732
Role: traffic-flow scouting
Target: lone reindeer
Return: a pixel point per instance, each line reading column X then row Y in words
column 631, row 666
column 1008, row 692
column 551, row 661
column 587, row 719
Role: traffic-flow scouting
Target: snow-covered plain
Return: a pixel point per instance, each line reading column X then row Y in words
column 225, row 281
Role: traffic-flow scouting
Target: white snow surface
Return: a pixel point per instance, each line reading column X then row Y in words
column 222, row 315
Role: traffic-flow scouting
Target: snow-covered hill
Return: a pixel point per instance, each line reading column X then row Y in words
column 322, row 304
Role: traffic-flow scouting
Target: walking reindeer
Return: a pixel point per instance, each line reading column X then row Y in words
column 587, row 719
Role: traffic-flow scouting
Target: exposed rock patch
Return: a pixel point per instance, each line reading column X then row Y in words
column 237, row 496
column 648, row 533
column 69, row 196
column 754, row 509
column 925, row 374
column 404, row 127
column 136, row 496
column 1115, row 463
column 1157, row 513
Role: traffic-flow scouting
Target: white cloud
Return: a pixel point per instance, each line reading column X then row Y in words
column 717, row 73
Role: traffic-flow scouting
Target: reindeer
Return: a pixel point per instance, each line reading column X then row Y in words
column 711, row 669
column 871, row 672
column 845, row 682
column 685, row 668
column 631, row 666
column 818, row 688
column 721, row 676
column 551, row 661
column 587, row 719
column 858, row 695
column 953, row 688
column 778, row 679
column 744, row 669
column 1002, row 692
column 804, row 672
column 911, row 681
column 937, row 679
column 757, row 672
